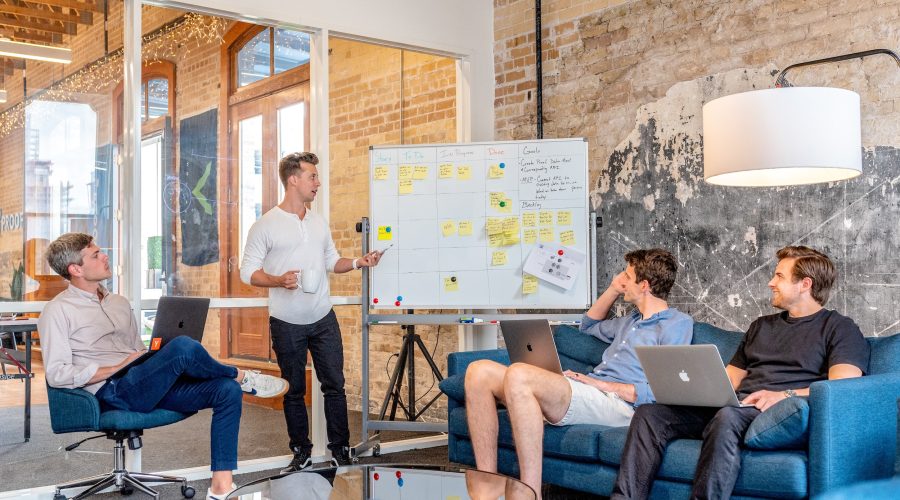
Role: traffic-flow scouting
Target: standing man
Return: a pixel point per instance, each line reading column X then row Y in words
column 285, row 241
column 779, row 357
column 607, row 396
column 88, row 334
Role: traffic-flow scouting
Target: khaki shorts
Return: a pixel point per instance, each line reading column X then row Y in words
column 590, row 405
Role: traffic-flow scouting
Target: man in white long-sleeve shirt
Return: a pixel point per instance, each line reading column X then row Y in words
column 287, row 240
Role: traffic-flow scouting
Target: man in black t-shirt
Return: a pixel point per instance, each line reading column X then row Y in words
column 779, row 357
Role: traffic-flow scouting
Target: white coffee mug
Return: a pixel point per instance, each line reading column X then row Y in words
column 309, row 279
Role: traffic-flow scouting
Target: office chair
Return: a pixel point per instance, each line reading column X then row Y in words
column 77, row 410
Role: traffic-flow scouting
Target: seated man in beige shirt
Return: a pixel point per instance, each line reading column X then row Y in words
column 88, row 334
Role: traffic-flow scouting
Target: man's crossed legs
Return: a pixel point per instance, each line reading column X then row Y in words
column 532, row 395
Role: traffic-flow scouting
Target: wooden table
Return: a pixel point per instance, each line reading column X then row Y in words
column 15, row 359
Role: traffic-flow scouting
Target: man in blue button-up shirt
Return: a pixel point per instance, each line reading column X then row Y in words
column 607, row 395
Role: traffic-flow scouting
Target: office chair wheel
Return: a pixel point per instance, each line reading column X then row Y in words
column 188, row 492
column 126, row 491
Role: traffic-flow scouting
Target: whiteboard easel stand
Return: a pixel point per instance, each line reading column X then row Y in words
column 371, row 445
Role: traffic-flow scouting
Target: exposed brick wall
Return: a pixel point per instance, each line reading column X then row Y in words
column 605, row 59
column 380, row 96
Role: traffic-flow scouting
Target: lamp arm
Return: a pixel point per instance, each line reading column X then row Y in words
column 781, row 81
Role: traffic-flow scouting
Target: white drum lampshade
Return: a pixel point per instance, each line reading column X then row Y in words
column 782, row 137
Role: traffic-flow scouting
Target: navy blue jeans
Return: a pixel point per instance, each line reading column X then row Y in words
column 323, row 340
column 654, row 426
column 183, row 377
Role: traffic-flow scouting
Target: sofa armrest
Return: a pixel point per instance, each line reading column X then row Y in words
column 73, row 410
column 853, row 425
column 458, row 361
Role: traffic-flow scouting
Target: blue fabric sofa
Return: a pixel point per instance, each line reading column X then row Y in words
column 852, row 426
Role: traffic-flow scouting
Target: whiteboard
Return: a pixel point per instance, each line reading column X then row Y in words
column 436, row 208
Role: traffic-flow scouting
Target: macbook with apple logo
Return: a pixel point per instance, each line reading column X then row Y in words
column 175, row 317
column 687, row 375
column 531, row 341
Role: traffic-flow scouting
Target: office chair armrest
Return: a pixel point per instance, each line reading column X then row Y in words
column 73, row 410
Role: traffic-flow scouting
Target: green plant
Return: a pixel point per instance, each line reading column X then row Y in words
column 17, row 285
column 154, row 252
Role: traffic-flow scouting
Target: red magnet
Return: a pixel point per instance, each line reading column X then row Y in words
column 375, row 476
column 399, row 474
column 397, row 303
column 560, row 252
column 375, row 300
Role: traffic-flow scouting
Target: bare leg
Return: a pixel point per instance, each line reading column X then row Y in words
column 533, row 394
column 221, row 481
column 484, row 387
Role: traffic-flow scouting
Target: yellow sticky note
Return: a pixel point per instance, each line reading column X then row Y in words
column 406, row 172
column 463, row 172
column 498, row 258
column 495, row 172
column 567, row 237
column 448, row 228
column 564, row 218
column 530, row 236
column 510, row 238
column 384, row 233
column 529, row 284
column 547, row 235
column 546, row 218
column 420, row 172
column 465, row 228
column 511, row 224
column 494, row 225
column 445, row 171
column 381, row 172
column 529, row 219
column 495, row 240
column 451, row 284
column 406, row 186
column 495, row 199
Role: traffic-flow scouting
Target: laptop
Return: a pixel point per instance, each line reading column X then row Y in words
column 687, row 375
column 531, row 341
column 175, row 316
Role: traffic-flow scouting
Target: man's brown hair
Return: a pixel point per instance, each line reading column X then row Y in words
column 290, row 164
column 655, row 265
column 814, row 265
column 66, row 250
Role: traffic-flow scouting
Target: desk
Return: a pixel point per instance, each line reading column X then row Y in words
column 12, row 327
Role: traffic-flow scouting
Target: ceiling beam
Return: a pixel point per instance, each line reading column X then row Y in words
column 48, row 14
column 26, row 36
column 49, row 27
column 72, row 4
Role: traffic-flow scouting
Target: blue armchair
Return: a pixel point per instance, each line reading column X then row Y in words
column 76, row 410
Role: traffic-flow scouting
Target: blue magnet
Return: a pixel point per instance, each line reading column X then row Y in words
column 400, row 298
column 388, row 229
column 503, row 165
column 400, row 482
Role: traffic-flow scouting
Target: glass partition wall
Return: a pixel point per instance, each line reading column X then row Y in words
column 220, row 101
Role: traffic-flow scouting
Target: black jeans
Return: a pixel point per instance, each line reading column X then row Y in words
column 654, row 426
column 323, row 340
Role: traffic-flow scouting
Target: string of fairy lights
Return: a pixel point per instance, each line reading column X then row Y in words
column 176, row 39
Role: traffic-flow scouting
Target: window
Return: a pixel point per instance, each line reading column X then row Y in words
column 270, row 52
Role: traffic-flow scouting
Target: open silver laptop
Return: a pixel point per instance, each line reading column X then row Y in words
column 687, row 375
column 531, row 341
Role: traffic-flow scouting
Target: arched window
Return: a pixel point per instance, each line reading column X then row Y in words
column 269, row 52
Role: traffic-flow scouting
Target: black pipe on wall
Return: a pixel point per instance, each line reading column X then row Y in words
column 539, row 93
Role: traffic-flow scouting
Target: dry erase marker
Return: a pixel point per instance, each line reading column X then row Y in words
column 386, row 249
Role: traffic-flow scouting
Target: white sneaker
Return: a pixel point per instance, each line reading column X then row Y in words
column 262, row 385
column 219, row 496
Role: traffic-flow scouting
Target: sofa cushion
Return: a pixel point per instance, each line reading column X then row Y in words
column 454, row 387
column 725, row 340
column 784, row 426
column 578, row 352
column 885, row 354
